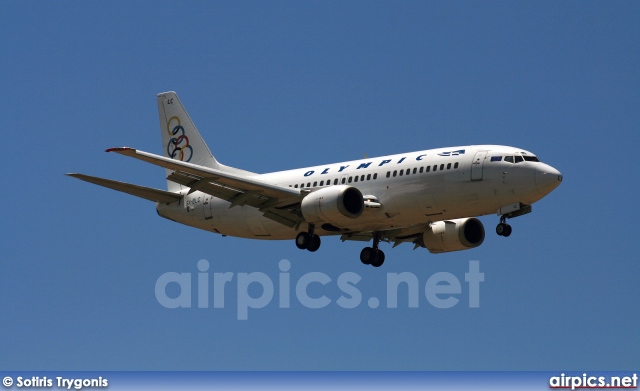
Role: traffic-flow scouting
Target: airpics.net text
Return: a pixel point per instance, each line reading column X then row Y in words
column 257, row 290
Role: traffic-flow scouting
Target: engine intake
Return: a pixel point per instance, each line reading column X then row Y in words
column 335, row 205
column 453, row 235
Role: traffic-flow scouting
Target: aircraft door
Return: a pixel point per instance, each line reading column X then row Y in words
column 477, row 165
column 206, row 207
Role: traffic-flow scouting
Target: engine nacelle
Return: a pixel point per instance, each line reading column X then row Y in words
column 453, row 235
column 335, row 205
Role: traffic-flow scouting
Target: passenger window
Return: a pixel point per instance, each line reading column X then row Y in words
column 375, row 176
column 369, row 177
column 508, row 159
column 435, row 168
column 441, row 167
column 449, row 166
column 408, row 171
column 421, row 169
column 343, row 180
column 350, row 179
column 362, row 178
column 388, row 174
column 428, row 168
column 355, row 179
column 315, row 184
column 296, row 186
column 395, row 172
column 309, row 184
column 415, row 170
column 335, row 181
column 401, row 172
column 302, row 185
column 321, row 183
column 455, row 165
column 519, row 159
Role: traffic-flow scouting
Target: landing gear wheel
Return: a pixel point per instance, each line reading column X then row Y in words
column 379, row 259
column 366, row 255
column 303, row 240
column 503, row 229
column 372, row 255
column 314, row 244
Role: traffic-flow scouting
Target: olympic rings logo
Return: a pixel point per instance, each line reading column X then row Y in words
column 178, row 147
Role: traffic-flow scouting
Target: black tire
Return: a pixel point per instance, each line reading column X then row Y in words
column 314, row 244
column 379, row 259
column 303, row 240
column 501, row 229
column 508, row 231
column 366, row 255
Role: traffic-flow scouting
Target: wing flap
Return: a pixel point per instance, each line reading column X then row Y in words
column 218, row 176
column 147, row 193
column 280, row 204
column 201, row 184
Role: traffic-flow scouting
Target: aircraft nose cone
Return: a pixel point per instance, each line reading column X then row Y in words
column 547, row 178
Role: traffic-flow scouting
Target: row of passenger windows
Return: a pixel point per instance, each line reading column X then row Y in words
column 356, row 178
column 421, row 170
column 368, row 177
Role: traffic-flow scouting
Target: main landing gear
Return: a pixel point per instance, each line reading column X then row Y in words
column 369, row 255
column 503, row 229
column 372, row 255
column 308, row 240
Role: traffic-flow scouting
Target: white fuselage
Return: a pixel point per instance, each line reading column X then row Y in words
column 412, row 188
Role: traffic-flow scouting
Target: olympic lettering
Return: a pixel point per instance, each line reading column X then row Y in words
column 178, row 147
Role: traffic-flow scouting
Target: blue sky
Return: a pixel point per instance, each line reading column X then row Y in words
column 281, row 85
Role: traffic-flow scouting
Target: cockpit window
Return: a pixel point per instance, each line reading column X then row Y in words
column 518, row 159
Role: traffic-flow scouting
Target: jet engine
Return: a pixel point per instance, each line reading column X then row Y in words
column 335, row 205
column 453, row 235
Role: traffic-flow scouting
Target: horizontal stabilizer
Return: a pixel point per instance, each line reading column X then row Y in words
column 147, row 193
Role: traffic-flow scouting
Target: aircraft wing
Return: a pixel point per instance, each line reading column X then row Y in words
column 147, row 193
column 398, row 236
column 278, row 203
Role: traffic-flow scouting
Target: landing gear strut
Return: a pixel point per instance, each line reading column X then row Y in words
column 308, row 240
column 503, row 229
column 372, row 255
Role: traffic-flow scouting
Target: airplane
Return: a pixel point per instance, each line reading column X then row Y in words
column 429, row 198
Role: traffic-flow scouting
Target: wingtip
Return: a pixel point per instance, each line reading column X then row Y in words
column 116, row 149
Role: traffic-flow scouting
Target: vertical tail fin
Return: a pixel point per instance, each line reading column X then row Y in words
column 180, row 137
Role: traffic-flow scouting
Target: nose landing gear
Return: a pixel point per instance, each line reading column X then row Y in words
column 503, row 229
column 519, row 209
